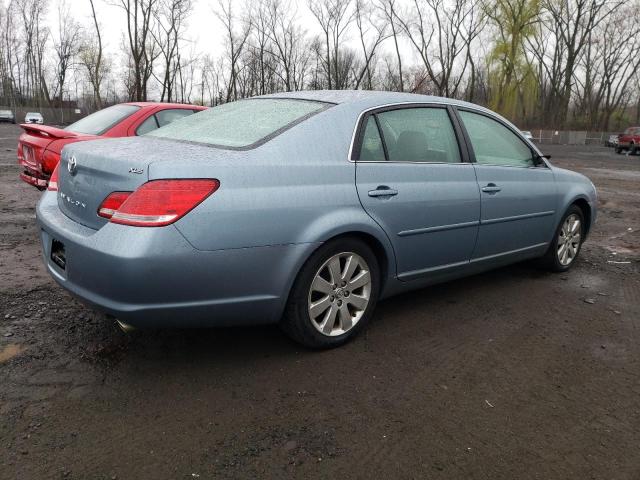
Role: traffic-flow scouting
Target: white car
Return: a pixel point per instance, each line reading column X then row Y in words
column 34, row 117
column 527, row 134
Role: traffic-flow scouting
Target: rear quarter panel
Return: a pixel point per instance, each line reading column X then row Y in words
column 297, row 188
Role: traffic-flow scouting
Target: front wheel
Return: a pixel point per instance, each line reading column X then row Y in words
column 566, row 244
column 334, row 295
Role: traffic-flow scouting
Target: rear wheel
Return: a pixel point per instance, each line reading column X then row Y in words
column 334, row 295
column 565, row 246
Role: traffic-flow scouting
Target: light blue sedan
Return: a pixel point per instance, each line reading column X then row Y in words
column 304, row 209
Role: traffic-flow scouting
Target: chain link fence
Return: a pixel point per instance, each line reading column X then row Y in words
column 571, row 137
column 52, row 116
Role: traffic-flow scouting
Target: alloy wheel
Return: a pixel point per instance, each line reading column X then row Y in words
column 339, row 294
column 569, row 239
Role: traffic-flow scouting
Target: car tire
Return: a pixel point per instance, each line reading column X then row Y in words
column 555, row 259
column 341, row 312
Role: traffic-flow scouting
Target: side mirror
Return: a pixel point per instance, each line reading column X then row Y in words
column 538, row 160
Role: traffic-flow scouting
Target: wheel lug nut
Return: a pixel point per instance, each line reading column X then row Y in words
column 332, row 298
column 344, row 284
column 339, row 303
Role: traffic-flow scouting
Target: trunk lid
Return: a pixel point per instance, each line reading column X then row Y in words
column 90, row 171
column 34, row 141
column 123, row 164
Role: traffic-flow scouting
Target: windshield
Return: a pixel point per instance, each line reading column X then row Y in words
column 99, row 122
column 240, row 124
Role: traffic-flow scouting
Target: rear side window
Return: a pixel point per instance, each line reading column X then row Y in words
column 165, row 117
column 495, row 144
column 241, row 124
column 372, row 149
column 162, row 118
column 147, row 126
column 99, row 122
column 421, row 134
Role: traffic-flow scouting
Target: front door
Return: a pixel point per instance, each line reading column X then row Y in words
column 412, row 181
column 518, row 194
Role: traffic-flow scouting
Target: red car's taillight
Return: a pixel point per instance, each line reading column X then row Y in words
column 49, row 160
column 112, row 203
column 53, row 181
column 162, row 202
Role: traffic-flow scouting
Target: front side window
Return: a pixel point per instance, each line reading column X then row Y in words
column 495, row 144
column 99, row 122
column 419, row 135
column 240, row 124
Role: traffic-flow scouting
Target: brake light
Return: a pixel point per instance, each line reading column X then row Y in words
column 162, row 202
column 53, row 181
column 49, row 160
column 112, row 203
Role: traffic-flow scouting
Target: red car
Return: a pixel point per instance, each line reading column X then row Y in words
column 629, row 140
column 39, row 146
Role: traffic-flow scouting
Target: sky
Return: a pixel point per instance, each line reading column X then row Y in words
column 203, row 27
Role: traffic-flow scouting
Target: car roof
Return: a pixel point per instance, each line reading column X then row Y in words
column 163, row 104
column 370, row 98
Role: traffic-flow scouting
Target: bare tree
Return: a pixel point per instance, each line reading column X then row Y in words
column 170, row 23
column 611, row 59
column 390, row 15
column 334, row 17
column 140, row 15
column 236, row 39
column 66, row 45
column 364, row 16
column 289, row 46
column 569, row 24
column 443, row 43
column 92, row 59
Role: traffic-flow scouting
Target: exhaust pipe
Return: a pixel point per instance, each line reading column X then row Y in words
column 125, row 327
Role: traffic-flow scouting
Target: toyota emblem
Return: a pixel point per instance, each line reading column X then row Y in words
column 72, row 165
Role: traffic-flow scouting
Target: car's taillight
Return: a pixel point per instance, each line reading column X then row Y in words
column 53, row 181
column 112, row 203
column 162, row 202
column 49, row 160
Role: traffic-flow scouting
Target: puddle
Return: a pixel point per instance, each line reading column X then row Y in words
column 10, row 351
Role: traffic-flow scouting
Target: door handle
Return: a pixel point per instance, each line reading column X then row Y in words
column 383, row 191
column 491, row 188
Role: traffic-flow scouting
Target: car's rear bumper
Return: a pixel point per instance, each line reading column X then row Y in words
column 33, row 177
column 153, row 277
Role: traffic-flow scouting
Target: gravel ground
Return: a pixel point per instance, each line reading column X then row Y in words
column 512, row 374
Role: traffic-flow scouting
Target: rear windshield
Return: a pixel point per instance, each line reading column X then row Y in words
column 99, row 122
column 240, row 124
column 632, row 131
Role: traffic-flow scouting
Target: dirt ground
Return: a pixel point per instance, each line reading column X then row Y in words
column 511, row 374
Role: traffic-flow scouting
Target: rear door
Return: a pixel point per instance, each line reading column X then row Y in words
column 518, row 194
column 413, row 181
